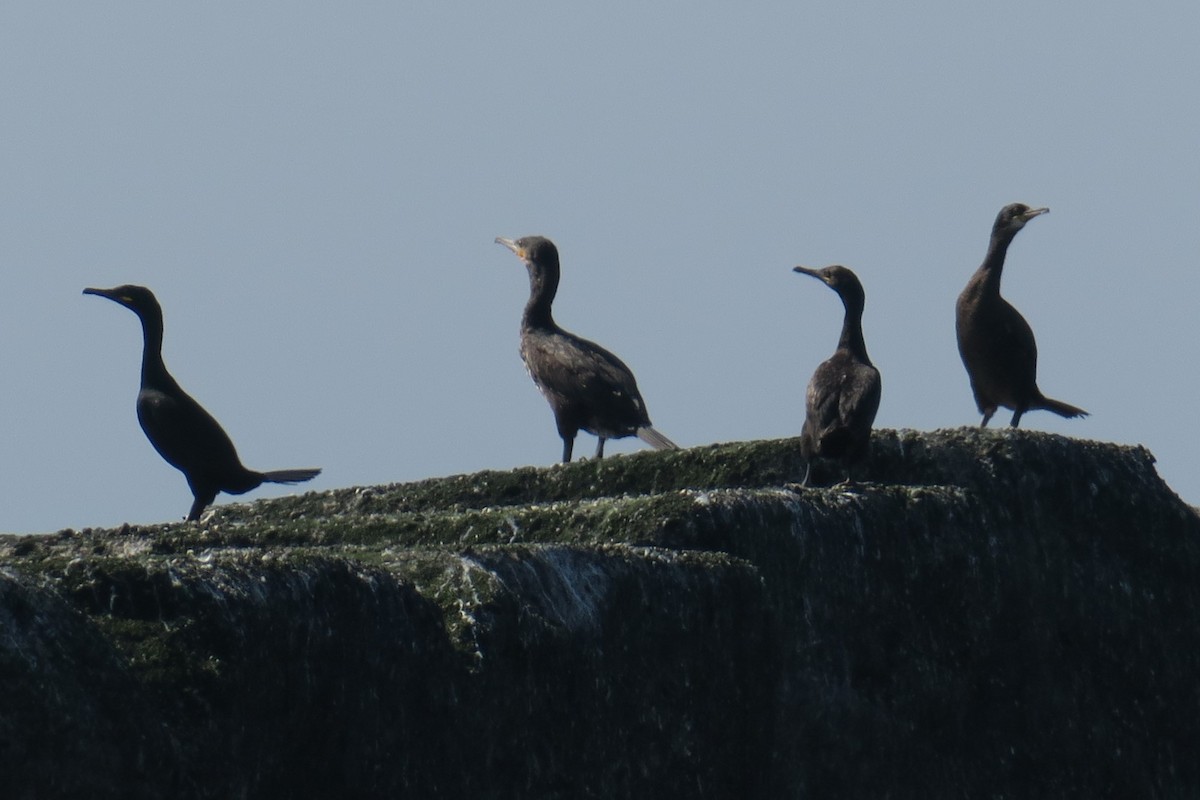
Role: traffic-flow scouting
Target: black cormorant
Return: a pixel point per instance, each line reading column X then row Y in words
column 181, row 431
column 843, row 394
column 587, row 387
column 994, row 340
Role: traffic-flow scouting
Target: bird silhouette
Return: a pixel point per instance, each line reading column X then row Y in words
column 994, row 340
column 588, row 387
column 180, row 429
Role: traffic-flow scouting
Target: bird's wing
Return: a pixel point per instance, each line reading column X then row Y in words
column 858, row 400
column 584, row 373
column 1019, row 337
column 822, row 398
column 182, row 432
column 841, row 402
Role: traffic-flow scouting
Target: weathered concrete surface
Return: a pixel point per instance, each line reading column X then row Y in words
column 997, row 614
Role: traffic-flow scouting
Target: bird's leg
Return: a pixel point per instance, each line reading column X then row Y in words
column 1017, row 417
column 807, row 473
column 847, row 482
column 600, row 447
column 199, row 504
column 568, row 446
column 986, row 416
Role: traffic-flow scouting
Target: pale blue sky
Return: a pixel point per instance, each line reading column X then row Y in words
column 312, row 192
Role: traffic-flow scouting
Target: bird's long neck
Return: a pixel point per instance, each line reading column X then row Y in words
column 993, row 263
column 543, row 285
column 154, row 371
column 852, row 334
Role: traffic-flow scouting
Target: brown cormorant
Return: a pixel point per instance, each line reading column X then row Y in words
column 181, row 431
column 843, row 394
column 588, row 388
column 994, row 340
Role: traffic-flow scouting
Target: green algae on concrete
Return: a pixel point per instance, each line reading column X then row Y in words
column 281, row 653
column 987, row 613
column 955, row 456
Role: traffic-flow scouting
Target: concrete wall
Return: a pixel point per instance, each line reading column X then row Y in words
column 994, row 614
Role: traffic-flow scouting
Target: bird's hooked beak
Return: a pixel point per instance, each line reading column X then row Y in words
column 816, row 273
column 512, row 245
column 111, row 294
column 1033, row 212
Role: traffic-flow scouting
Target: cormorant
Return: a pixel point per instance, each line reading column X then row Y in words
column 994, row 340
column 588, row 388
column 843, row 394
column 181, row 431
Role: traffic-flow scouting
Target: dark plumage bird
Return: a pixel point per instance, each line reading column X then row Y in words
column 994, row 340
column 181, row 431
column 843, row 393
column 587, row 387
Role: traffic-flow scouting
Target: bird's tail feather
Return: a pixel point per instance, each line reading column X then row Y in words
column 1061, row 408
column 655, row 439
column 290, row 475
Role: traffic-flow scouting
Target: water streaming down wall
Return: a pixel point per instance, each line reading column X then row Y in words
column 997, row 613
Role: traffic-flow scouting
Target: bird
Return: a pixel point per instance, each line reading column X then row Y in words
column 178, row 427
column 994, row 340
column 843, row 394
column 588, row 387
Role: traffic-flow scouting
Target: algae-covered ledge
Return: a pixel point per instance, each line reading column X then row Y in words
column 663, row 624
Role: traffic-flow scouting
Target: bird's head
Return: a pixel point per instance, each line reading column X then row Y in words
column 840, row 279
column 1013, row 217
column 138, row 299
column 535, row 251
